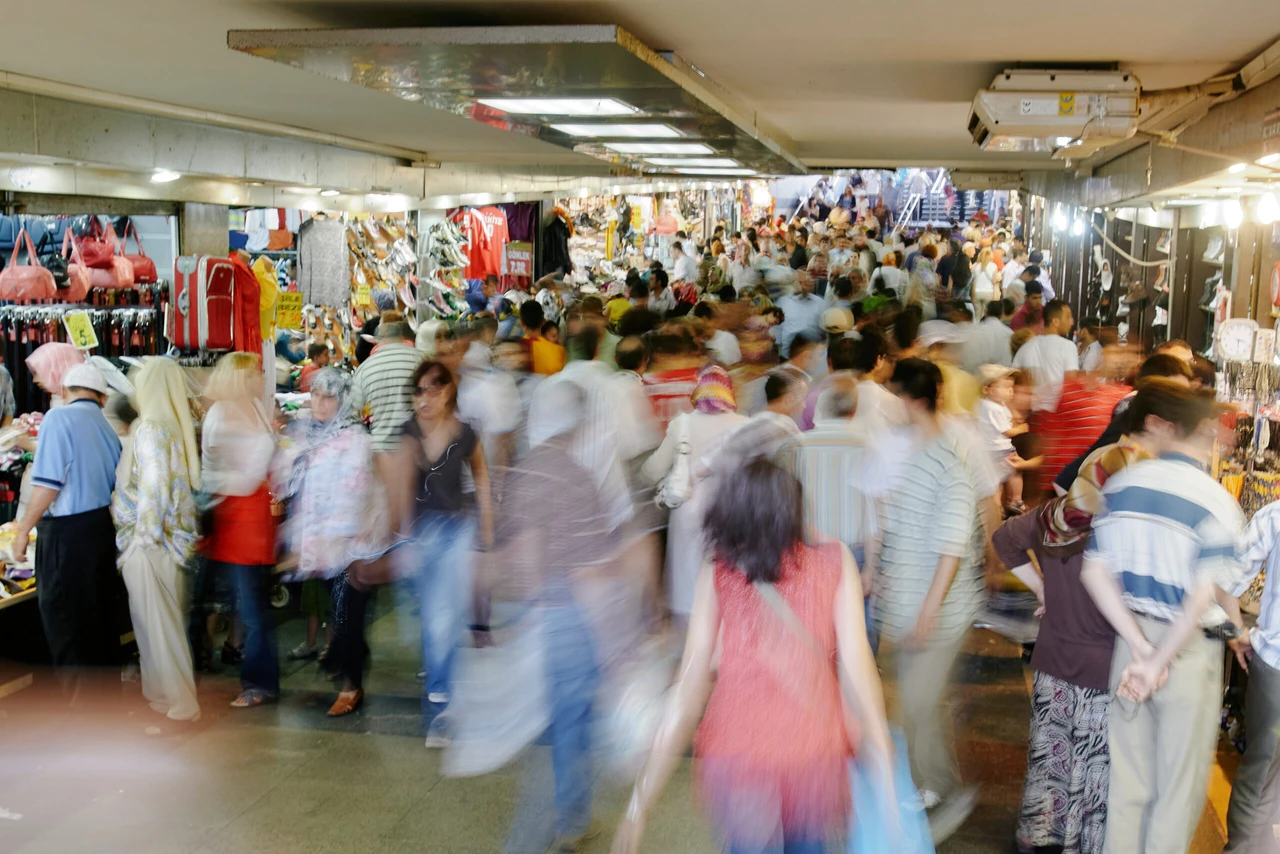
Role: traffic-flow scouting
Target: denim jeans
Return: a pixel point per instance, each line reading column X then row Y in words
column 573, row 680
column 787, row 847
column 441, row 559
column 260, row 669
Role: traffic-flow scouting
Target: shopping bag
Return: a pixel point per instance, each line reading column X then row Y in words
column 880, row 823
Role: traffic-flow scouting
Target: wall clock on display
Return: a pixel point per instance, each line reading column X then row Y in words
column 1233, row 339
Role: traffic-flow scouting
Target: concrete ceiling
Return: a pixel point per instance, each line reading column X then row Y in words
column 852, row 83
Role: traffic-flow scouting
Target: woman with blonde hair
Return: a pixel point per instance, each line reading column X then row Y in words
column 155, row 517
column 238, row 446
column 986, row 280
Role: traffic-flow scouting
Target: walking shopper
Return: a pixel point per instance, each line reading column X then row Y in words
column 74, row 474
column 430, row 505
column 238, row 444
column 336, row 517
column 927, row 591
column 1165, row 540
column 156, row 532
column 1049, row 356
column 382, row 382
column 787, row 622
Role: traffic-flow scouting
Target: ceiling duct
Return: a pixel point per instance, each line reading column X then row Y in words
column 593, row 89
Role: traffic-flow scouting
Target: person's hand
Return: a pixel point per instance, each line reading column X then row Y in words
column 26, row 442
column 1141, row 679
column 925, row 624
column 1242, row 648
column 868, row 583
column 1039, row 612
column 626, row 840
column 21, row 537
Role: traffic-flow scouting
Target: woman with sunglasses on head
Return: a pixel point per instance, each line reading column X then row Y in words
column 441, row 518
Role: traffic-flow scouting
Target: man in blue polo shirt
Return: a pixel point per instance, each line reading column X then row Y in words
column 1163, row 548
column 73, row 476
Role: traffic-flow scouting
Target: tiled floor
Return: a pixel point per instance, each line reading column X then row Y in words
column 285, row 778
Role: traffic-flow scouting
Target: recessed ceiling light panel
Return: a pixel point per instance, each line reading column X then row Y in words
column 164, row 176
column 1269, row 159
column 709, row 171
column 714, row 162
column 659, row 148
column 639, row 131
column 560, row 106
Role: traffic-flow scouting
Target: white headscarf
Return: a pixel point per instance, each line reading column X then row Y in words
column 162, row 397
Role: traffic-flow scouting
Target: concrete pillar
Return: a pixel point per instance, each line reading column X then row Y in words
column 204, row 229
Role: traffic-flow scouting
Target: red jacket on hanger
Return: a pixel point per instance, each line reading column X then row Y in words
column 247, row 335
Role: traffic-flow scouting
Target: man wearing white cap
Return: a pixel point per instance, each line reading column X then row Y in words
column 74, row 474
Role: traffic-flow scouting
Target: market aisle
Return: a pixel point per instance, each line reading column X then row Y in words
column 286, row 778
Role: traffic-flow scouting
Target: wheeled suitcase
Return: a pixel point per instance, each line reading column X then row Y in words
column 202, row 304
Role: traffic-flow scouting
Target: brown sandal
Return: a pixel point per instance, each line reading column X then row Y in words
column 347, row 702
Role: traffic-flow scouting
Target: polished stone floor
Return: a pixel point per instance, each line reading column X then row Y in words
column 285, row 778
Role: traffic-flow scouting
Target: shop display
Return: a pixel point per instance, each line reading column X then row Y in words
column 442, row 286
column 202, row 312
column 26, row 283
column 383, row 264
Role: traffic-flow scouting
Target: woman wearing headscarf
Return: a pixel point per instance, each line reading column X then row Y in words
column 155, row 516
column 715, row 414
column 238, row 444
column 333, row 521
column 47, row 365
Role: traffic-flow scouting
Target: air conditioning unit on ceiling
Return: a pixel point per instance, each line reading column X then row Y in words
column 1069, row 114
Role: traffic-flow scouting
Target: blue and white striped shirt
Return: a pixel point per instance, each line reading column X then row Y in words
column 1257, row 552
column 1165, row 526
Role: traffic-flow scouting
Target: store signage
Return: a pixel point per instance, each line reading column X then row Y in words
column 289, row 310
column 1066, row 103
column 80, row 330
column 519, row 256
column 363, row 297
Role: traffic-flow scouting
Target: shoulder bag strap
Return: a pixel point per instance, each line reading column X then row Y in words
column 131, row 228
column 769, row 593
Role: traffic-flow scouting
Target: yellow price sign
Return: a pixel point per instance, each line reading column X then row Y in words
column 1066, row 103
column 289, row 310
column 80, row 330
column 363, row 297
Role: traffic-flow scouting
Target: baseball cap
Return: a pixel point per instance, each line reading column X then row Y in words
column 939, row 332
column 836, row 321
column 85, row 376
column 987, row 374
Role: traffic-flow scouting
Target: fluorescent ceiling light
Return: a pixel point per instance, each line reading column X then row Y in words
column 1268, row 210
column 1237, row 168
column 696, row 171
column 560, row 106
column 644, row 131
column 1185, row 202
column 1268, row 160
column 301, row 191
column 329, row 193
column 1232, row 213
column 716, row 162
column 1063, row 141
column 164, row 176
column 659, row 148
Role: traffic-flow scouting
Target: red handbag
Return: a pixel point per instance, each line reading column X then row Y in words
column 27, row 283
column 96, row 248
column 78, row 280
column 144, row 269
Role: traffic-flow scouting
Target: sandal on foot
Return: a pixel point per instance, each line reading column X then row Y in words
column 302, row 652
column 252, row 697
column 347, row 702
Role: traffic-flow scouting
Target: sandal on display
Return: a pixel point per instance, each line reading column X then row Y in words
column 347, row 702
column 251, row 698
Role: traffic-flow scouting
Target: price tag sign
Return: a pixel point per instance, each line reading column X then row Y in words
column 80, row 330
column 363, row 297
column 519, row 258
column 289, row 311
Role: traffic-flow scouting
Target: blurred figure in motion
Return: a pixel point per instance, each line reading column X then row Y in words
column 73, row 475
column 784, row 620
column 155, row 516
column 238, row 444
column 326, row 474
column 47, row 365
column 429, row 504
column 926, row 590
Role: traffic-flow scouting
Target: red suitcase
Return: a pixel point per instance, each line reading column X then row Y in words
column 202, row 304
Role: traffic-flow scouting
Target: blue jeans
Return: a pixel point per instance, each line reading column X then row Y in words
column 260, row 670
column 573, row 680
column 441, row 557
column 787, row 847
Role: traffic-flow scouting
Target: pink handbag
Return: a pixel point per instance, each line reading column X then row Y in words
column 144, row 269
column 27, row 283
column 78, row 279
column 116, row 275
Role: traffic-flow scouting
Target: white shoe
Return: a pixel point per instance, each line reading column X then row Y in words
column 438, row 733
column 437, row 697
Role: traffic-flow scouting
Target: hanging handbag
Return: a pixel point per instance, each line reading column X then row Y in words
column 144, row 269
column 117, row 275
column 95, row 247
column 29, row 282
column 677, row 486
column 51, row 260
column 79, row 281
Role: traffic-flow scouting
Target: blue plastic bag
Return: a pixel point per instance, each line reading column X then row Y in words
column 879, row 824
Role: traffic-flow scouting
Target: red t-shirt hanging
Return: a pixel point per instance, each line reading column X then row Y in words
column 247, row 333
column 486, row 231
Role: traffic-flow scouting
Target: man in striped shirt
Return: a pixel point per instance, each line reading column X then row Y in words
column 384, row 382
column 1163, row 546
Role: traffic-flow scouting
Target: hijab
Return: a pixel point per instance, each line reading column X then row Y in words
column 50, row 361
column 329, row 382
column 713, row 393
column 162, row 398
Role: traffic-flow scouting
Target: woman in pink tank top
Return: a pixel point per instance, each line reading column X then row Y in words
column 777, row 733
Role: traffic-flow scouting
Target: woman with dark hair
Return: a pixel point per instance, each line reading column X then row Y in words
column 784, row 621
column 927, row 590
column 432, row 507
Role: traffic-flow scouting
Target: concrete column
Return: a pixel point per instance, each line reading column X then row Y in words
column 204, row 229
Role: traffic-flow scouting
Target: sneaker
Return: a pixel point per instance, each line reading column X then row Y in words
column 438, row 733
column 946, row 817
column 439, row 698
column 302, row 652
